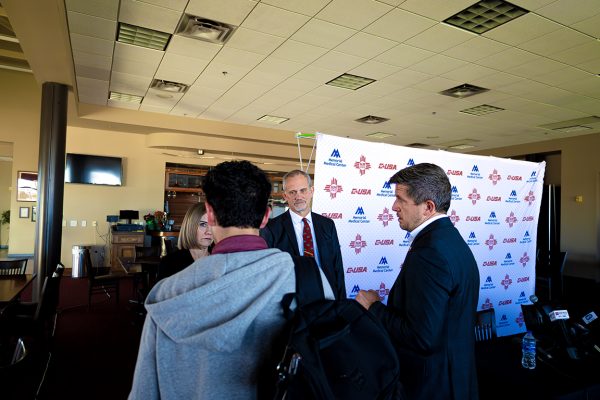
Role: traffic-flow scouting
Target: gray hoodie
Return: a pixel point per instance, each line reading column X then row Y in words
column 209, row 326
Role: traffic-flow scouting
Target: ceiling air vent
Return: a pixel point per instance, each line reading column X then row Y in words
column 349, row 81
column 138, row 36
column 372, row 119
column 205, row 29
column 173, row 87
column 464, row 90
column 574, row 125
column 485, row 15
column 481, row 110
column 380, row 135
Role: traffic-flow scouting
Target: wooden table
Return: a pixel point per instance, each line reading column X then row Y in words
column 12, row 286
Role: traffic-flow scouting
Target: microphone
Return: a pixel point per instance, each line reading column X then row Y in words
column 534, row 300
column 558, row 317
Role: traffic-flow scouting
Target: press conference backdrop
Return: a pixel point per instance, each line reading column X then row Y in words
column 495, row 206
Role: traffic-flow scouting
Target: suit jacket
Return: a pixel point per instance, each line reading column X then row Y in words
column 279, row 233
column 430, row 315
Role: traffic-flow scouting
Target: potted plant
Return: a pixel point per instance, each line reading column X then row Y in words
column 4, row 219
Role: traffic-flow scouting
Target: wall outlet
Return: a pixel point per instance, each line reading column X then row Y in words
column 94, row 223
column 73, row 223
column 83, row 223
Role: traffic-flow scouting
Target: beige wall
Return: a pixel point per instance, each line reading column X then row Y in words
column 579, row 176
column 5, row 184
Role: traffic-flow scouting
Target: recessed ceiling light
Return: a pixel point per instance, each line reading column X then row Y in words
column 124, row 97
column 272, row 119
column 464, row 90
column 168, row 86
column 461, row 147
column 481, row 110
column 138, row 36
column 205, row 29
column 380, row 135
column 575, row 128
column 485, row 15
column 372, row 119
column 349, row 81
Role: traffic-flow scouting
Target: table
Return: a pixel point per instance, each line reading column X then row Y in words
column 143, row 270
column 12, row 286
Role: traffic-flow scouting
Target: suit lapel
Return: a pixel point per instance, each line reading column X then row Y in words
column 288, row 228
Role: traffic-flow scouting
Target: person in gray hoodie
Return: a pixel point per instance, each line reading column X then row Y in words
column 210, row 326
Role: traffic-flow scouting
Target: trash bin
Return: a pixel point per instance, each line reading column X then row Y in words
column 79, row 267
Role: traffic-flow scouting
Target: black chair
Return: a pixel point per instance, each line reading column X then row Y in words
column 100, row 280
column 13, row 267
column 549, row 276
column 485, row 325
column 13, row 372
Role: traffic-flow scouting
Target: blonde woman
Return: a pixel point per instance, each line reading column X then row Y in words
column 195, row 240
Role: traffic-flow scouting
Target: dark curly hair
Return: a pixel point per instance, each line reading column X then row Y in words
column 426, row 182
column 238, row 192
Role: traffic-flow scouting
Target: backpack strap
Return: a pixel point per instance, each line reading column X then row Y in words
column 309, row 286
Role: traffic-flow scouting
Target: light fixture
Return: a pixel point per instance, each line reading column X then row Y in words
column 138, row 36
column 124, row 97
column 272, row 119
column 461, row 147
column 372, row 119
column 205, row 29
column 481, row 110
column 485, row 15
column 168, row 86
column 464, row 90
column 349, row 81
column 200, row 152
column 380, row 135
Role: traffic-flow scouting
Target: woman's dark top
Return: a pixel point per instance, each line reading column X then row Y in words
column 174, row 262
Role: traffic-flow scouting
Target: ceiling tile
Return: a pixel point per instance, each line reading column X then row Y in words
column 306, row 7
column 536, row 67
column 178, row 62
column 235, row 12
column 202, row 95
column 323, row 34
column 592, row 66
column 380, row 88
column 107, row 9
column 522, row 87
column 475, row 49
column 591, row 26
column 154, row 109
column 279, row 67
column 149, row 16
column 354, row 14
column 187, row 109
column 92, row 60
column 92, row 26
column 316, row 74
column 586, row 106
column 213, row 75
column 404, row 55
column 440, row 37
column 578, row 54
column 297, row 51
column 264, row 78
column 531, row 5
column 565, row 12
column 522, row 29
column 298, row 84
column 122, row 104
column 89, row 44
column 408, row 77
column 507, row 59
column 129, row 84
column 468, row 72
column 93, row 86
column 496, row 80
column 438, row 64
column 253, row 41
column 438, row 84
column 374, row 70
column 138, row 54
column 556, row 41
column 178, row 5
column 161, row 98
column 177, row 75
column 561, row 76
column 238, row 58
column 435, row 9
column 365, row 45
column 399, row 25
column 588, row 86
column 195, row 48
column 329, row 91
column 274, row 21
column 92, row 72
column 337, row 61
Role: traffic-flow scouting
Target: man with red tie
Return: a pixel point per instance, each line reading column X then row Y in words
column 301, row 232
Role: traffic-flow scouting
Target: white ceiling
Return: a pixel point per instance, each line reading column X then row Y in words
column 542, row 68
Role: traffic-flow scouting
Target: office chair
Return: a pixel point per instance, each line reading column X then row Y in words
column 100, row 283
column 485, row 325
column 549, row 280
column 13, row 267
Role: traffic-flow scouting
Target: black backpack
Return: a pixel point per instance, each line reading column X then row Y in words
column 335, row 348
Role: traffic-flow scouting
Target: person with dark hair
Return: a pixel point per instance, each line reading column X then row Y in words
column 209, row 328
column 301, row 232
column 195, row 240
column 431, row 308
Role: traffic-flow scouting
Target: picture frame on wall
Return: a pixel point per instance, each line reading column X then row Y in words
column 23, row 212
column 27, row 186
column 33, row 213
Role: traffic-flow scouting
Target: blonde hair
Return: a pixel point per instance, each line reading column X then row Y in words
column 189, row 227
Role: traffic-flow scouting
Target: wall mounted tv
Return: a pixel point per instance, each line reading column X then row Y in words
column 94, row 170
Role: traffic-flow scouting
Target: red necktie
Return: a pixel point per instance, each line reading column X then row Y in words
column 308, row 240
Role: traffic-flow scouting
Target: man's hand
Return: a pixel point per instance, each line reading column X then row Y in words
column 366, row 299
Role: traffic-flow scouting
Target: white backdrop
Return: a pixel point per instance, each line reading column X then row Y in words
column 495, row 206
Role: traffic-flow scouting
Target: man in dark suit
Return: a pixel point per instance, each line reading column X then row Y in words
column 430, row 313
column 287, row 231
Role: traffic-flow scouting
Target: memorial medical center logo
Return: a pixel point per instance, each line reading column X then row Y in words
column 488, row 283
column 359, row 217
column 455, row 193
column 354, row 291
column 508, row 260
column 472, row 240
column 362, row 165
column 357, row 244
column 385, row 217
column 406, row 241
column 526, row 238
column 474, row 174
column 532, row 177
column 383, row 266
column 386, row 190
column 333, row 188
column 512, row 197
column 335, row 159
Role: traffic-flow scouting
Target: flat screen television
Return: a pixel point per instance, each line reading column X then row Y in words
column 94, row 170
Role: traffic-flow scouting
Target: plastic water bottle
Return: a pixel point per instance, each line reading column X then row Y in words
column 528, row 360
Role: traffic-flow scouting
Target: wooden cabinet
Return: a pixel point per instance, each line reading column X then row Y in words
column 123, row 246
column 184, row 179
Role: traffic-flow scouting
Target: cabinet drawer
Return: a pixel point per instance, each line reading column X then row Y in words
column 137, row 239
